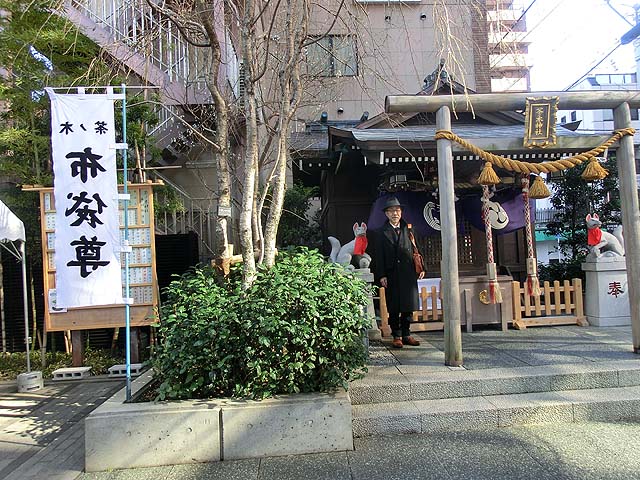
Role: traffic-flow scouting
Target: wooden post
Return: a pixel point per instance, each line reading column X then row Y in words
column 134, row 342
column 449, row 266
column 385, row 329
column 630, row 216
column 77, row 348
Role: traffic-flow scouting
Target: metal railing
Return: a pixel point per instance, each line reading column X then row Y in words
column 192, row 217
column 134, row 23
column 545, row 215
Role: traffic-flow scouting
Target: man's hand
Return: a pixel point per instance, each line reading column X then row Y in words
column 420, row 275
column 383, row 282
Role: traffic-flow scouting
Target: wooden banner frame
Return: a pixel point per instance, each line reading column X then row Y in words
column 142, row 273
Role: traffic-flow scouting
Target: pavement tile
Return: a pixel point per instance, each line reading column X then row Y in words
column 584, row 451
column 320, row 466
column 150, row 473
column 226, row 470
column 396, row 458
column 488, row 455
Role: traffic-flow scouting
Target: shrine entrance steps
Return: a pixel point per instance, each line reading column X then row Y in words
column 405, row 398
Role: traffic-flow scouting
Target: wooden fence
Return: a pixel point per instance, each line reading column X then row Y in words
column 428, row 318
column 560, row 304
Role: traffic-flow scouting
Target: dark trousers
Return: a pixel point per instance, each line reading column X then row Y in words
column 400, row 324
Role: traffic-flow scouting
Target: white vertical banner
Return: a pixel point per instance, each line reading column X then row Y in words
column 87, row 242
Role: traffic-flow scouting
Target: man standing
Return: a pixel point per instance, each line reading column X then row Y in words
column 395, row 271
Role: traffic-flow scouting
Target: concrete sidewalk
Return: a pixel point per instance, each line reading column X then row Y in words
column 492, row 348
column 41, row 434
column 544, row 452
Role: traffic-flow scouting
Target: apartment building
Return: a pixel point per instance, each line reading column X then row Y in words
column 508, row 46
column 374, row 48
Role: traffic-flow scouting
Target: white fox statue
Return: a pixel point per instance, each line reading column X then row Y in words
column 601, row 242
column 352, row 253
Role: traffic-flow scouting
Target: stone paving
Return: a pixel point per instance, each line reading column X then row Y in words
column 593, row 451
column 41, row 434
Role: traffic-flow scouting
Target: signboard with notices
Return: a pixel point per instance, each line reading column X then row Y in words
column 142, row 268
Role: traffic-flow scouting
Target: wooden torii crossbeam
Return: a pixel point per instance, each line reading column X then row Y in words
column 620, row 102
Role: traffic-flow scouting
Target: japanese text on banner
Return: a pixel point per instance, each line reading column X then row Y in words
column 88, row 270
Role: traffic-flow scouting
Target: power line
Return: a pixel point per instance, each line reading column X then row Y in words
column 594, row 67
column 608, row 2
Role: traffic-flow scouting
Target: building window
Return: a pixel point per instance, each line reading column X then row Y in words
column 333, row 56
column 574, row 116
column 563, row 120
column 607, row 115
column 634, row 114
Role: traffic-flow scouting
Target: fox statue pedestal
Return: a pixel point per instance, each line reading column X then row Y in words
column 606, row 301
column 373, row 332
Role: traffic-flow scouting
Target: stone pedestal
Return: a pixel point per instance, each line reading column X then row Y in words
column 374, row 332
column 606, row 300
column 30, row 382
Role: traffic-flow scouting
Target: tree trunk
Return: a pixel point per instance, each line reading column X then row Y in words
column 291, row 91
column 221, row 153
column 250, row 163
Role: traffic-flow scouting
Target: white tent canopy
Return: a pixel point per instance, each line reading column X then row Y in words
column 11, row 227
column 11, row 230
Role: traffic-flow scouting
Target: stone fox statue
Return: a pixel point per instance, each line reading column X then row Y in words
column 599, row 241
column 352, row 252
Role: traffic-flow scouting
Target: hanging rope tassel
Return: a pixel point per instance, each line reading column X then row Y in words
column 488, row 176
column 594, row 171
column 533, row 285
column 539, row 189
column 495, row 295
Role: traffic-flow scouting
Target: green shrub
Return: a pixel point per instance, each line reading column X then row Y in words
column 299, row 328
column 566, row 270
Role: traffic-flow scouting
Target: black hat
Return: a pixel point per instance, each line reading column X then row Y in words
column 392, row 202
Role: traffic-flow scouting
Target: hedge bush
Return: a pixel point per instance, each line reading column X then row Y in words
column 299, row 328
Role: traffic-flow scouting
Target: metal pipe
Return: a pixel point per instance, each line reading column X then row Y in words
column 127, row 307
column 25, row 301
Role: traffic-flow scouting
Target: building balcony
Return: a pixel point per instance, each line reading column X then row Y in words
column 509, row 37
column 503, row 15
column 509, row 61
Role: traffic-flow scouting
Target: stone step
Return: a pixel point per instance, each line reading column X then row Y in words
column 411, row 383
column 427, row 416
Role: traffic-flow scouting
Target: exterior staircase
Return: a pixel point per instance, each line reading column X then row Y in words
column 405, row 399
column 153, row 49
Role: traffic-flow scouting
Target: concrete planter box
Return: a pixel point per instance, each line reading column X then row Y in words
column 128, row 435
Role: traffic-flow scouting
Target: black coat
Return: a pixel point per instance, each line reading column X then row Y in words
column 394, row 260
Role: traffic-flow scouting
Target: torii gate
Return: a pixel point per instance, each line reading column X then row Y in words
column 620, row 101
